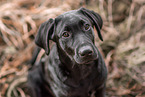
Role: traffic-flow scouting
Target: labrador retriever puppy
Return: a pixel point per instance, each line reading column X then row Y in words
column 73, row 67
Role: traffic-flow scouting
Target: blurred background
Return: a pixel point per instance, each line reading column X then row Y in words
column 123, row 47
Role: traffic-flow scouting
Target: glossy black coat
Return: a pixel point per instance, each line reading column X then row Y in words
column 73, row 67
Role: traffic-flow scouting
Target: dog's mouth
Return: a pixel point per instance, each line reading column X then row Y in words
column 89, row 61
column 86, row 62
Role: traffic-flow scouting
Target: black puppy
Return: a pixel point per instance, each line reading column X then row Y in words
column 74, row 67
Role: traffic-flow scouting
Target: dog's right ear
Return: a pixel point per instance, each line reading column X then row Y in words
column 45, row 33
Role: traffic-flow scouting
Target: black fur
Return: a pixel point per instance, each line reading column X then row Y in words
column 73, row 67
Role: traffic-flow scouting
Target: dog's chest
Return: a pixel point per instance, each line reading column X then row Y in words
column 77, row 83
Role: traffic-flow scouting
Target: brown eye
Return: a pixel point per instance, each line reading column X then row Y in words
column 86, row 27
column 65, row 34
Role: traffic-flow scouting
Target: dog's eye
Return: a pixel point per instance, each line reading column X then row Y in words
column 65, row 34
column 86, row 27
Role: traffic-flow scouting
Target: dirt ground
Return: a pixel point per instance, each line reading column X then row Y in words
column 123, row 47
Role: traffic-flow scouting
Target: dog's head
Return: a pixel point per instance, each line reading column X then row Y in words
column 73, row 33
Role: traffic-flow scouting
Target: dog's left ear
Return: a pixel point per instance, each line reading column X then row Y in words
column 96, row 18
column 45, row 33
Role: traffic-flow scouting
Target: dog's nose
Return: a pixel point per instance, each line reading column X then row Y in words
column 85, row 51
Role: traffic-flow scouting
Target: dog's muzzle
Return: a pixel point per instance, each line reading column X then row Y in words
column 86, row 51
column 86, row 54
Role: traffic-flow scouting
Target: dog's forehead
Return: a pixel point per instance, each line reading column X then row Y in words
column 71, row 17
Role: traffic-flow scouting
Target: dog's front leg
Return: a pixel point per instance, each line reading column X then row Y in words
column 100, row 92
